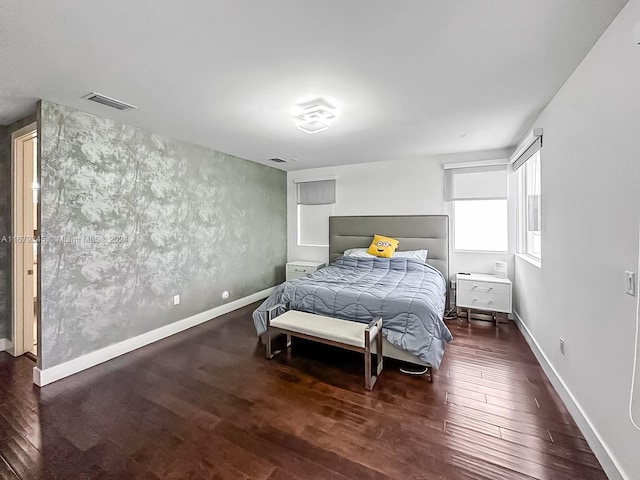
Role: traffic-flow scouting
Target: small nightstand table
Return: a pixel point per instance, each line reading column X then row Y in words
column 483, row 292
column 300, row 268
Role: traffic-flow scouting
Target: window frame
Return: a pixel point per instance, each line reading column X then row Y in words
column 523, row 212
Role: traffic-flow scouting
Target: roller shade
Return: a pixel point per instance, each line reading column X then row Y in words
column 527, row 148
column 321, row 192
column 476, row 183
column 528, row 153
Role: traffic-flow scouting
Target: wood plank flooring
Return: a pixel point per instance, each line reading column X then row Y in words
column 206, row 404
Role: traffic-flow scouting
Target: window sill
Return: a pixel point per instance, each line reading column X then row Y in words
column 529, row 259
column 481, row 251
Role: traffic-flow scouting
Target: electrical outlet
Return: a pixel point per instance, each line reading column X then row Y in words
column 176, row 299
column 562, row 346
column 630, row 283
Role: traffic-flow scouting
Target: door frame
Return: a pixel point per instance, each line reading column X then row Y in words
column 18, row 274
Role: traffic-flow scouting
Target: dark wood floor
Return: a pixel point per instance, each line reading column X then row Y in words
column 205, row 404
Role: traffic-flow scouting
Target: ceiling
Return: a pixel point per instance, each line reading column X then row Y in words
column 410, row 78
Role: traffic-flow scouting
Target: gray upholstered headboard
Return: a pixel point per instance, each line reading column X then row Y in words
column 414, row 232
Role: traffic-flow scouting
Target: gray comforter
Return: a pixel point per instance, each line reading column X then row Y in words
column 408, row 294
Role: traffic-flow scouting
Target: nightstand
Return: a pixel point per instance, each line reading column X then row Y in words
column 483, row 292
column 300, row 268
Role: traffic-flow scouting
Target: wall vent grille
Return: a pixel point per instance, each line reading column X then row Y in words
column 109, row 102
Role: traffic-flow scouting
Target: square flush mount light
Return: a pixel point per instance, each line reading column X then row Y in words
column 312, row 127
column 316, row 115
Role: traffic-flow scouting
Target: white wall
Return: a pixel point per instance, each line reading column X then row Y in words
column 590, row 208
column 401, row 187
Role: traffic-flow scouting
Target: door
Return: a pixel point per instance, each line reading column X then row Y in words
column 24, row 197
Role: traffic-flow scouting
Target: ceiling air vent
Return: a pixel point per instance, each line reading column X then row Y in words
column 109, row 102
column 282, row 160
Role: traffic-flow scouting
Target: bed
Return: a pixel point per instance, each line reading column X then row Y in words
column 409, row 295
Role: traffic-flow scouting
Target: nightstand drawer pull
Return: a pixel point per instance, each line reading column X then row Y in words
column 483, row 290
column 475, row 300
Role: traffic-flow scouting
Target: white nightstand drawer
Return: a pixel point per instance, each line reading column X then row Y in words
column 484, row 301
column 483, row 287
column 294, row 275
column 300, row 268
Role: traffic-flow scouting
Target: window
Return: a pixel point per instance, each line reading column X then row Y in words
column 526, row 162
column 530, row 217
column 479, row 196
column 316, row 200
column 480, row 225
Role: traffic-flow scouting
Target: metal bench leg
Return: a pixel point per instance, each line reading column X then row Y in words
column 369, row 379
column 288, row 347
column 268, row 349
column 270, row 354
column 379, row 350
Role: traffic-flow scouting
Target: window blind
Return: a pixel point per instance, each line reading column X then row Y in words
column 527, row 148
column 528, row 153
column 322, row 192
column 476, row 183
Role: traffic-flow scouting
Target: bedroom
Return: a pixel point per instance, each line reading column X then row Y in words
column 211, row 223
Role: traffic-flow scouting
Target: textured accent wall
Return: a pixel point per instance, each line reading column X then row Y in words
column 131, row 218
column 5, row 233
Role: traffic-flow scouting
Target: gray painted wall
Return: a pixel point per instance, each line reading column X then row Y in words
column 165, row 217
column 5, row 232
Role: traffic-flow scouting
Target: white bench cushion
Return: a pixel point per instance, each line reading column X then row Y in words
column 341, row 331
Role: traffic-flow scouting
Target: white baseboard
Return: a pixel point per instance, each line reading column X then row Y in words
column 595, row 441
column 5, row 344
column 50, row 375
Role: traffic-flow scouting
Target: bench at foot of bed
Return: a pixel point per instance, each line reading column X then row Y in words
column 332, row 331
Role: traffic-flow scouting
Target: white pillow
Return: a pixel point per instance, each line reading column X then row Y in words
column 358, row 252
column 419, row 255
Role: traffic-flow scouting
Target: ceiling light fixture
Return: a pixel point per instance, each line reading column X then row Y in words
column 317, row 113
column 316, row 116
column 312, row 127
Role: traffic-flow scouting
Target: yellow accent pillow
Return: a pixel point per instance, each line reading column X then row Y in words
column 383, row 246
